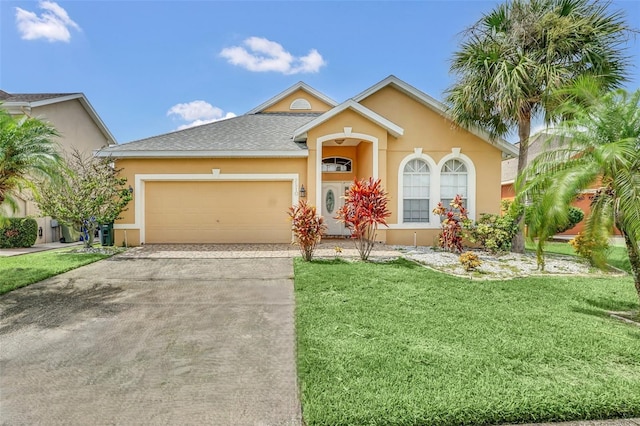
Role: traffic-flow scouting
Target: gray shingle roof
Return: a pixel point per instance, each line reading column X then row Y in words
column 265, row 132
column 30, row 97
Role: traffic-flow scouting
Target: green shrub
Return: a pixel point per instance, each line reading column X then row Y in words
column 591, row 248
column 493, row 232
column 19, row 232
column 575, row 215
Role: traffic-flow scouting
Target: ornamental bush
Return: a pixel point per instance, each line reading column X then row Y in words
column 18, row 232
column 307, row 228
column 470, row 261
column 591, row 248
column 493, row 232
column 365, row 208
column 454, row 219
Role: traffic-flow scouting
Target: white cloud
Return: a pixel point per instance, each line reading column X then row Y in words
column 198, row 113
column 266, row 55
column 53, row 24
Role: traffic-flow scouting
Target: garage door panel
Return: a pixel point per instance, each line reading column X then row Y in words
column 217, row 212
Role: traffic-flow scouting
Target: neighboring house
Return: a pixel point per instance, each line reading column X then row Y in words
column 232, row 181
column 79, row 127
column 538, row 144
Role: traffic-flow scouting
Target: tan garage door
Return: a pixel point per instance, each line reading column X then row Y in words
column 217, row 212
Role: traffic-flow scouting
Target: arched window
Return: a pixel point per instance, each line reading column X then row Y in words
column 453, row 181
column 336, row 164
column 300, row 103
column 416, row 191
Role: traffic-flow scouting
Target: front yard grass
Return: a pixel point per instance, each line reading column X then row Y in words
column 617, row 255
column 20, row 271
column 398, row 344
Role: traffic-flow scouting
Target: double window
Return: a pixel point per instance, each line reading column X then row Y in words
column 424, row 184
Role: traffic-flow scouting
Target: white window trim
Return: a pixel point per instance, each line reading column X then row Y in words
column 141, row 179
column 434, row 196
column 471, row 179
column 433, row 170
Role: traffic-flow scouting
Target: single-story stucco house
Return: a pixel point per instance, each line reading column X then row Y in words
column 232, row 181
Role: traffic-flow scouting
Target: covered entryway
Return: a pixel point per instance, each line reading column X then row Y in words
column 217, row 211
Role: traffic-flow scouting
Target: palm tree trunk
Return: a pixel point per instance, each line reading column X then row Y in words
column 524, row 131
column 634, row 259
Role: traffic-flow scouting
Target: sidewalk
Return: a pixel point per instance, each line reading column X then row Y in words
column 35, row 248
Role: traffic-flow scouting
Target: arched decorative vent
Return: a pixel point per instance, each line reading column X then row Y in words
column 300, row 104
column 336, row 164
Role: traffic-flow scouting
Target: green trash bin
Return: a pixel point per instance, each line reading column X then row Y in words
column 106, row 232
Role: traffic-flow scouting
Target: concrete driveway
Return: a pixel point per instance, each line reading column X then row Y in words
column 152, row 341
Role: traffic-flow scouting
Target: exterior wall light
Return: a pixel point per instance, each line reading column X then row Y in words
column 303, row 192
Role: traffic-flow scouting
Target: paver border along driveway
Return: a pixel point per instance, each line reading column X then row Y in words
column 152, row 341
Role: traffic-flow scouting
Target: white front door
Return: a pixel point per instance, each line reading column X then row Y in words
column 332, row 200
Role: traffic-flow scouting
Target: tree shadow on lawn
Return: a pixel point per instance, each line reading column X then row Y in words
column 612, row 309
column 51, row 307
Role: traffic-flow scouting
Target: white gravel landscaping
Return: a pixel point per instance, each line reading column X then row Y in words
column 497, row 267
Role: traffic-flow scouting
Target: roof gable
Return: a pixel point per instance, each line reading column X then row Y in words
column 23, row 102
column 388, row 125
column 298, row 87
column 392, row 81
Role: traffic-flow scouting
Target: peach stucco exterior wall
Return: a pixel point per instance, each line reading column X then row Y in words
column 427, row 129
column 76, row 127
column 283, row 105
column 131, row 167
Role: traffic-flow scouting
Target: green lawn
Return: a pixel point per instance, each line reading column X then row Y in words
column 617, row 255
column 398, row 344
column 19, row 271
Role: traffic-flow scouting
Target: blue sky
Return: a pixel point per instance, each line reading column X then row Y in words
column 150, row 67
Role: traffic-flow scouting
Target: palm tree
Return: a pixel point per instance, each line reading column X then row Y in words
column 27, row 152
column 515, row 58
column 602, row 147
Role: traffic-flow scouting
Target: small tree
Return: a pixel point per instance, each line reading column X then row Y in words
column 364, row 209
column 27, row 151
column 307, row 228
column 453, row 219
column 89, row 192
